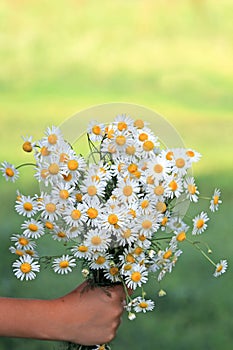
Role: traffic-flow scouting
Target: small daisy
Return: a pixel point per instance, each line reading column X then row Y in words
column 53, row 138
column 194, row 156
column 26, row 206
column 191, row 189
column 127, row 190
column 123, row 122
column 136, row 277
column 117, row 144
column 25, row 267
column 96, row 130
column 215, row 201
column 9, row 171
column 181, row 161
column 143, row 305
column 22, row 242
column 64, row 264
column 113, row 219
column 221, row 268
column 75, row 166
column 146, row 224
column 97, row 240
column 62, row 193
column 60, row 234
column 126, row 237
column 199, row 223
column 112, row 273
column 81, row 251
column 100, row 261
column 93, row 188
column 33, row 229
column 93, row 208
column 75, row 215
column 173, row 186
column 158, row 168
column 50, row 210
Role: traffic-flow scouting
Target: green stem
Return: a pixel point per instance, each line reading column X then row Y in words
column 25, row 164
column 195, row 244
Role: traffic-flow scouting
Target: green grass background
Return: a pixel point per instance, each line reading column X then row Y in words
column 172, row 56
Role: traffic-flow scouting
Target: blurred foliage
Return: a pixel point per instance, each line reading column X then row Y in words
column 173, row 56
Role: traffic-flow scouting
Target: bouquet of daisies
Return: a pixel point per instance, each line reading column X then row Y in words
column 116, row 212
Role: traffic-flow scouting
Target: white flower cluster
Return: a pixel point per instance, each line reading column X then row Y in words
column 115, row 211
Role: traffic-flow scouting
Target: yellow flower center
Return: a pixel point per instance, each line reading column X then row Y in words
column 64, row 194
column 113, row 219
column 75, row 214
column 142, row 238
column 133, row 213
column 167, row 254
column 27, row 146
column 44, row 151
column 216, row 199
column 113, row 270
column 130, row 150
column 130, row 258
column 64, row 264
column 53, row 169
column 23, row 241
column 181, row 236
column 9, row 172
column 127, row 191
column 136, row 276
column 139, row 123
column 29, row 252
column 61, row 234
column 190, row 154
column 19, row 252
column 143, row 137
column 25, row 267
column 127, row 267
column 96, row 240
column 73, row 165
column 164, row 221
column 68, row 177
column 49, row 225
column 173, row 185
column 50, row 207
column 122, row 126
column 158, row 168
column 169, row 155
column 100, row 260
column 95, row 178
column 143, row 305
column 161, row 207
column 159, row 190
column 200, row 223
column 132, row 168
column 146, row 224
column 149, row 180
column 145, row 204
column 219, row 268
column 127, row 233
column 148, row 146
column 96, row 130
column 79, row 197
column 138, row 250
column 92, row 213
column 33, row 227
column 52, row 139
column 120, row 140
column 180, row 163
column 91, row 190
column 82, row 249
column 192, row 189
column 28, row 206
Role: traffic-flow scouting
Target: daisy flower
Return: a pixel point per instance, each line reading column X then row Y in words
column 194, row 156
column 158, row 168
column 117, row 144
column 126, row 237
column 60, row 234
column 146, row 224
column 93, row 208
column 25, row 268
column 92, row 188
column 221, row 268
column 173, row 186
column 191, row 189
column 22, row 242
column 50, row 171
column 199, row 223
column 53, row 138
column 127, row 190
column 26, row 206
column 81, row 251
column 96, row 131
column 136, row 277
column 123, row 122
column 97, row 240
column 181, row 161
column 9, row 171
column 100, row 261
column 32, row 229
column 62, row 193
column 143, row 305
column 112, row 273
column 64, row 264
column 215, row 201
column 28, row 145
column 49, row 208
column 75, row 166
column 75, row 215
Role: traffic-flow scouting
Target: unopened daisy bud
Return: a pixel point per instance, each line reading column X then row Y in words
column 210, row 251
column 131, row 316
column 27, row 146
column 162, row 293
column 85, row 272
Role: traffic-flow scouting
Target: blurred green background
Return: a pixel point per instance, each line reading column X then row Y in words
column 172, row 56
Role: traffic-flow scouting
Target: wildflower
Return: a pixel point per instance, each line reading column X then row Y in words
column 143, row 305
column 9, row 171
column 25, row 268
column 199, row 223
column 64, row 264
column 215, row 201
column 136, row 277
column 33, row 229
column 221, row 268
column 191, row 189
column 26, row 206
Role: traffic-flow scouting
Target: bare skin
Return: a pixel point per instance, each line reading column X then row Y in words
column 84, row 316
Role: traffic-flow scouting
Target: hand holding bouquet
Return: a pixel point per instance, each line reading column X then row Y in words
column 117, row 212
